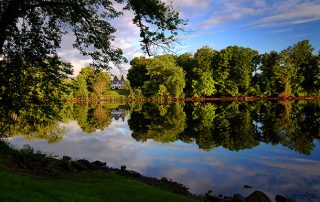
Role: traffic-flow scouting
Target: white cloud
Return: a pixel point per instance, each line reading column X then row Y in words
column 190, row 3
column 291, row 12
column 70, row 54
column 273, row 13
column 227, row 11
column 280, row 31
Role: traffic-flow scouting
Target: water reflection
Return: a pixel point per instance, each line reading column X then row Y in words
column 272, row 146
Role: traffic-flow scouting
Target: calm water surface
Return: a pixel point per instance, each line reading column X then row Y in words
column 273, row 147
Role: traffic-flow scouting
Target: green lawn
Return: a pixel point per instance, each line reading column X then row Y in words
column 80, row 186
column 93, row 186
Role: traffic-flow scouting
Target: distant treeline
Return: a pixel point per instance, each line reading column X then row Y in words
column 233, row 71
column 91, row 83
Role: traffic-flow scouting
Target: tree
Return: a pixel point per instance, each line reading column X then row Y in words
column 38, row 26
column 203, row 83
column 221, row 73
column 101, row 84
column 137, row 73
column 186, row 61
column 81, row 87
column 233, row 69
column 166, row 78
column 268, row 81
column 31, row 32
column 305, row 62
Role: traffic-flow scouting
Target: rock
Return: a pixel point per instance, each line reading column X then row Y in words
column 258, row 196
column 99, row 165
column 66, row 158
column 134, row 173
column 123, row 168
column 280, row 198
column 210, row 198
column 238, row 198
column 83, row 164
column 247, row 186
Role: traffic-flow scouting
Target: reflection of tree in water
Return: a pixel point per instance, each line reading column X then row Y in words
column 294, row 125
column 92, row 117
column 160, row 122
column 226, row 124
column 235, row 126
column 200, row 119
column 42, row 121
column 32, row 122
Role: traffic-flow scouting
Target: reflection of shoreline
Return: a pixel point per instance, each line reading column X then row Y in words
column 194, row 99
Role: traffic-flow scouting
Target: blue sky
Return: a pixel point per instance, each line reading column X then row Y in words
column 259, row 24
column 263, row 25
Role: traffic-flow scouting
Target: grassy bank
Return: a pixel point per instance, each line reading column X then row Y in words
column 19, row 182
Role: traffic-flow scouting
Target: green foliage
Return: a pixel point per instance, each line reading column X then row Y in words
column 233, row 68
column 137, row 73
column 268, row 80
column 293, row 71
column 186, row 61
column 44, row 22
column 162, row 123
column 233, row 71
column 156, row 77
column 204, row 85
column 101, row 84
column 92, row 83
column 166, row 76
column 31, row 33
column 202, row 81
column 81, row 87
column 166, row 20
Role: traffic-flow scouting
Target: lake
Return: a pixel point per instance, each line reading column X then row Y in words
column 220, row 146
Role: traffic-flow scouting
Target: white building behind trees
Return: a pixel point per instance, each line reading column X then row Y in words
column 118, row 84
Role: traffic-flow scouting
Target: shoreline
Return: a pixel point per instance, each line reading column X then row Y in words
column 27, row 162
column 201, row 99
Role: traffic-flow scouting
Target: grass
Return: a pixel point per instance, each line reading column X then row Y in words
column 84, row 186
column 80, row 186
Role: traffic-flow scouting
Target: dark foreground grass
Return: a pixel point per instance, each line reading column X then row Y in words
column 93, row 186
column 80, row 186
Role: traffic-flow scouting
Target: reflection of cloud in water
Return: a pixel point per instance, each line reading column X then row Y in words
column 220, row 170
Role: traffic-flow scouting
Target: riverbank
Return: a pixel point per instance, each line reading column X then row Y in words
column 194, row 99
column 32, row 176
column 29, row 176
